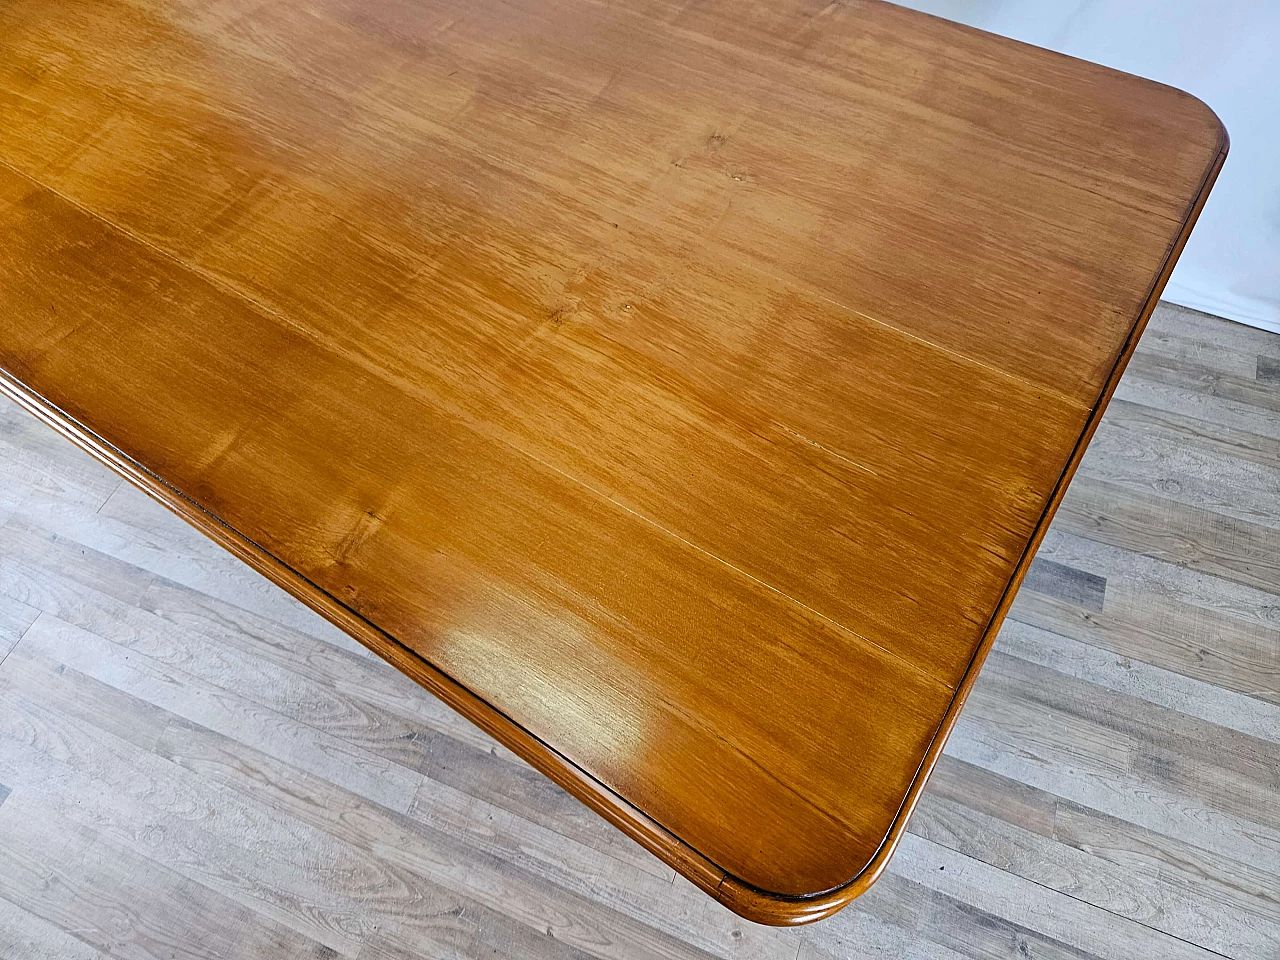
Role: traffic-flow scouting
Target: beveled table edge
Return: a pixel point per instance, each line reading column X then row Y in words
column 744, row 899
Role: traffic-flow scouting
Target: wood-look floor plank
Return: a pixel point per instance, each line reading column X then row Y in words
column 1122, row 674
column 1182, row 334
column 221, row 666
column 84, row 776
column 894, row 919
column 1192, row 400
column 1079, row 925
column 1192, row 434
column 463, row 932
column 23, row 934
column 498, row 837
column 201, row 768
column 1176, row 372
column 32, row 458
column 186, row 831
column 411, row 845
column 1223, row 769
column 30, row 545
column 1009, row 741
column 1218, row 884
column 123, row 904
column 1191, row 537
column 1163, row 614
column 1143, row 892
column 358, row 769
column 197, row 564
column 1138, row 459
column 90, row 590
column 15, row 618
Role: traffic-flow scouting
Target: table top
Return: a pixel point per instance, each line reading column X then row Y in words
column 679, row 390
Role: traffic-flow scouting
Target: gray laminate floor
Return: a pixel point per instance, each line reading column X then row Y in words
column 193, row 765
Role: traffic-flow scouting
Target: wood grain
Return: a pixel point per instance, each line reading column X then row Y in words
column 1104, row 795
column 679, row 392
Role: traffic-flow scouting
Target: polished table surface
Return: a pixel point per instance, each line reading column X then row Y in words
column 678, row 388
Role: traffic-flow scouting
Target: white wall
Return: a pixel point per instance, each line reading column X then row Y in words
column 1227, row 53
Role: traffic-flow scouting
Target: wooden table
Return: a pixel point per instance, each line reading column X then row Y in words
column 678, row 390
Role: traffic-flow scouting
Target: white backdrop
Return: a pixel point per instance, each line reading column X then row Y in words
column 1227, row 53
